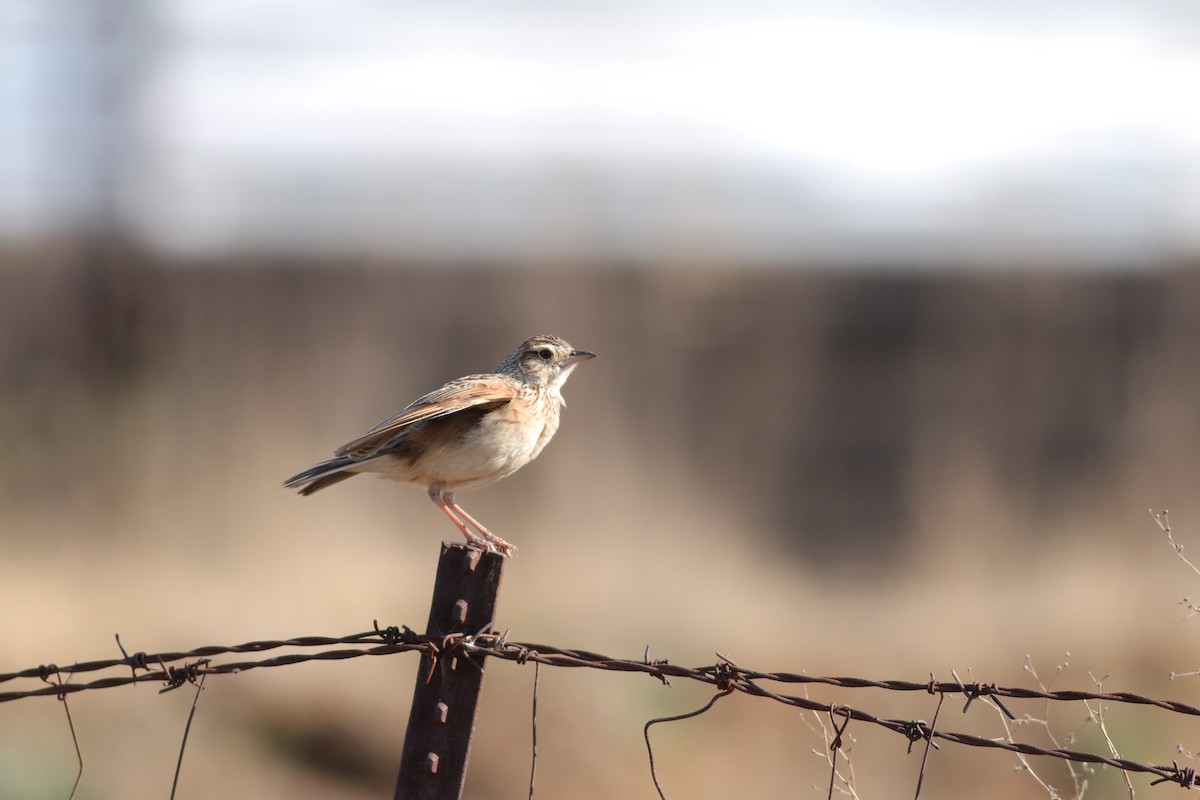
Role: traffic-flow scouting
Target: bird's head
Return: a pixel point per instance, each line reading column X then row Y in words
column 545, row 361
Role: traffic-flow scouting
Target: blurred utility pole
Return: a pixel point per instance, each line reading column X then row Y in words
column 70, row 88
column 72, row 70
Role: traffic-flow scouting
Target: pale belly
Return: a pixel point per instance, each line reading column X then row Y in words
column 496, row 449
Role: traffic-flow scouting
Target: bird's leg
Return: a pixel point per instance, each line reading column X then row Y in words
column 501, row 546
column 448, row 507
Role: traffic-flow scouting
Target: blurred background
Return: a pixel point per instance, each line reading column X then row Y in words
column 896, row 312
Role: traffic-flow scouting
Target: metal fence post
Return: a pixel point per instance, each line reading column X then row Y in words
column 433, row 765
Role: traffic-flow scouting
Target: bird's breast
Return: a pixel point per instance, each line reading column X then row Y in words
column 514, row 434
column 467, row 450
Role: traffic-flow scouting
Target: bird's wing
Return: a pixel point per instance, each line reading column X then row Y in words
column 483, row 392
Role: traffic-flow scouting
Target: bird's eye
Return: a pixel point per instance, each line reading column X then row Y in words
column 545, row 354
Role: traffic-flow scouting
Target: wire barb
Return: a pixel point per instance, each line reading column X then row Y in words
column 1185, row 776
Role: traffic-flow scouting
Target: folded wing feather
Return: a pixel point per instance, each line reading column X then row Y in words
column 476, row 391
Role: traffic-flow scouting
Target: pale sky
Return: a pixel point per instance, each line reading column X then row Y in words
column 771, row 132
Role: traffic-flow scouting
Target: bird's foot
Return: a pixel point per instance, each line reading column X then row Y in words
column 475, row 540
column 502, row 547
column 494, row 544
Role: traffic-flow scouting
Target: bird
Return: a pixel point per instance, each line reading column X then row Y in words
column 471, row 432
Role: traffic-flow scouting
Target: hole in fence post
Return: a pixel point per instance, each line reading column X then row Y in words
column 433, row 764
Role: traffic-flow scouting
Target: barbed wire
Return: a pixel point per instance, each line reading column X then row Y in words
column 395, row 640
column 725, row 676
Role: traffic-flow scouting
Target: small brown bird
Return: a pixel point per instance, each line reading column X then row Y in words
column 465, row 435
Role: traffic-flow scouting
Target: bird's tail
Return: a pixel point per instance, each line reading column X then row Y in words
column 327, row 473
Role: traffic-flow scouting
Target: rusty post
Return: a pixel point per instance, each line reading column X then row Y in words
column 433, row 765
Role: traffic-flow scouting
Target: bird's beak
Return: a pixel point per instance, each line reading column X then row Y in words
column 577, row 356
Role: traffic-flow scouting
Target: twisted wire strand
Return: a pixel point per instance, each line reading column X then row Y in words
column 724, row 675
